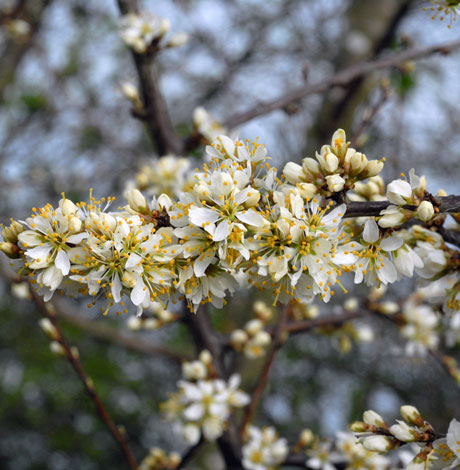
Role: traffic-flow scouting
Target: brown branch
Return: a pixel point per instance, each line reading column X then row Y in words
column 373, row 208
column 73, row 358
column 341, row 79
column 279, row 337
column 110, row 335
column 155, row 112
column 322, row 322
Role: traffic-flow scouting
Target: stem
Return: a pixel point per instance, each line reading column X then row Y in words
column 73, row 358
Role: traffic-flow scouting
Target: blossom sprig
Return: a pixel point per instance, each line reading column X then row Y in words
column 403, row 193
column 203, row 408
column 145, row 33
column 263, row 449
column 436, row 451
column 337, row 168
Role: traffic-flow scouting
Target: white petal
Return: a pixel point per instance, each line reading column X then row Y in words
column 77, row 238
column 133, row 261
column 116, row 288
column 194, row 412
column 62, row 262
column 371, row 232
column 222, row 231
column 138, row 293
column 200, row 215
column 39, row 252
column 391, row 243
column 251, row 217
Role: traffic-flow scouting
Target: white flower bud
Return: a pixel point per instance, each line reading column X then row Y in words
column 21, row 290
column 262, row 339
column 134, row 323
column 373, row 418
column 48, row 328
column 253, row 327
column 178, row 40
column 425, row 211
column 191, row 433
column 311, row 167
column 373, row 168
column 137, row 201
column 398, row 192
column 357, row 163
column 57, row 349
column 262, row 311
column 411, row 415
column 195, row 370
column 307, row 190
column 364, row 334
column 10, row 233
column 238, row 339
column 403, row 432
column 200, row 116
column 378, row 443
column 130, row 92
column 328, row 162
column 335, row 183
column 67, row 207
column 293, row 173
column 165, row 26
column 11, row 250
column 205, row 357
column 351, row 304
column 252, row 350
column 391, row 217
column 306, row 437
column 339, row 143
column 311, row 311
column 75, row 224
column 388, row 308
column 253, row 198
column 151, row 324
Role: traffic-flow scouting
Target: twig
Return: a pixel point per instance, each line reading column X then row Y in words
column 369, row 115
column 155, row 112
column 88, row 384
column 278, row 341
column 341, row 79
column 106, row 333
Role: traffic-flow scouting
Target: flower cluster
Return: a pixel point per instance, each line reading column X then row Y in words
column 263, row 449
column 145, row 33
column 435, row 451
column 336, row 168
column 203, row 408
column 234, row 224
column 158, row 459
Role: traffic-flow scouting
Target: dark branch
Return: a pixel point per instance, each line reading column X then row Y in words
column 341, row 79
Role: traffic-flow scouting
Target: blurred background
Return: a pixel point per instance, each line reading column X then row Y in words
column 65, row 126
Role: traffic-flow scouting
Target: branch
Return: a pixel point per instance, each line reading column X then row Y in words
column 279, row 337
column 373, row 208
column 341, row 79
column 155, row 112
column 108, row 334
column 72, row 357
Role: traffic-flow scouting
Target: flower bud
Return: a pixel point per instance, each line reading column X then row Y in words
column 238, row 339
column 165, row 26
column 398, row 192
column 373, row 418
column 335, row 183
column 411, row 415
column 75, row 224
column 388, row 308
column 57, row 349
column 441, row 193
column 178, row 40
column 373, row 168
column 378, row 443
column 10, row 233
column 311, row 167
column 293, row 173
column 137, row 201
column 194, row 370
column 200, row 116
column 48, row 328
column 262, row 311
column 328, row 161
column 307, row 190
column 339, row 143
column 425, row 211
column 67, row 207
column 10, row 250
column 306, row 437
column 262, row 339
column 359, row 426
column 364, row 334
column 130, row 92
column 351, row 304
column 403, row 432
column 391, row 217
column 253, row 327
column 253, row 198
column 357, row 163
column 205, row 357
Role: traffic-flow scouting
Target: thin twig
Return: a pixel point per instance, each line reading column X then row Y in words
column 278, row 341
column 73, row 358
column 343, row 78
